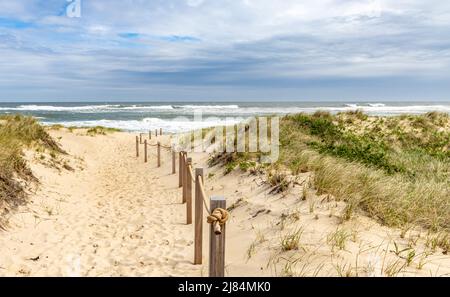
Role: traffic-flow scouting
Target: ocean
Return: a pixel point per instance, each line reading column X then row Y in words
column 179, row 116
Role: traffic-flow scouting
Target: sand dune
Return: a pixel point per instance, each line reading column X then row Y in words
column 114, row 215
column 108, row 219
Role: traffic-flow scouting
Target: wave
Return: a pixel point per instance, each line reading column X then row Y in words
column 355, row 105
column 146, row 124
column 163, row 116
column 115, row 107
column 156, row 107
column 59, row 108
column 383, row 109
column 206, row 106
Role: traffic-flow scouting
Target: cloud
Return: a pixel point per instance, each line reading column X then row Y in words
column 195, row 3
column 242, row 46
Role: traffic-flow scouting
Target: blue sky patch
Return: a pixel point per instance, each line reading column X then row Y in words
column 130, row 35
column 14, row 23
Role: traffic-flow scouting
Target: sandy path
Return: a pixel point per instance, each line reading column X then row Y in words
column 109, row 219
column 115, row 215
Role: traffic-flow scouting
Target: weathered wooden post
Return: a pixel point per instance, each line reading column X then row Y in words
column 174, row 160
column 137, row 146
column 184, row 176
column 160, row 131
column 217, row 242
column 156, row 132
column 180, row 169
column 159, row 154
column 149, row 134
column 145, row 151
column 198, row 237
column 189, row 191
column 140, row 138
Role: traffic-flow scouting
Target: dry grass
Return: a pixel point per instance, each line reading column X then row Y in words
column 100, row 130
column 416, row 195
column 291, row 240
column 16, row 133
column 338, row 239
column 395, row 169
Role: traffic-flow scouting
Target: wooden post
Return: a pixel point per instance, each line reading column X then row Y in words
column 198, row 237
column 188, row 192
column 174, row 160
column 160, row 131
column 184, row 177
column 137, row 146
column 217, row 243
column 140, row 138
column 149, row 134
column 145, row 151
column 159, row 154
column 180, row 169
column 156, row 132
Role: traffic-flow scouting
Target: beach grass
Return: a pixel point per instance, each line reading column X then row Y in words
column 100, row 130
column 394, row 169
column 17, row 133
column 91, row 131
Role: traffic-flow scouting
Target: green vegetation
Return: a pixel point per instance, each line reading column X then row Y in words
column 99, row 130
column 16, row 133
column 395, row 145
column 291, row 240
column 56, row 127
column 338, row 239
column 395, row 169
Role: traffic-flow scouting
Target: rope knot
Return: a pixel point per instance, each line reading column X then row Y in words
column 218, row 218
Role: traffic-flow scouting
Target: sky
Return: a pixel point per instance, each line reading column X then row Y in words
column 132, row 50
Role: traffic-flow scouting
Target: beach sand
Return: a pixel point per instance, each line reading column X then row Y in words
column 114, row 215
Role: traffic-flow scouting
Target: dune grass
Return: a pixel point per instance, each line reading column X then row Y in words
column 395, row 169
column 100, row 130
column 16, row 133
column 91, row 131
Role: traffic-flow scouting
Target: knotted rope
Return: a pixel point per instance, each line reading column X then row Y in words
column 218, row 218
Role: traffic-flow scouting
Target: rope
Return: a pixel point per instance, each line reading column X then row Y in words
column 218, row 218
column 202, row 190
column 191, row 173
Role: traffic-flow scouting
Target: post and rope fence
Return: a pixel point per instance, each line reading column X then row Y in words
column 217, row 217
column 217, row 213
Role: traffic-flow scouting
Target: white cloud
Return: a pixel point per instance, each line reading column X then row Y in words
column 195, row 3
column 238, row 40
